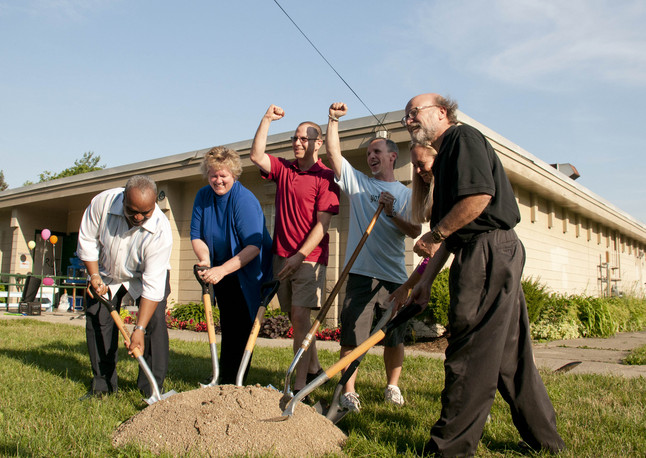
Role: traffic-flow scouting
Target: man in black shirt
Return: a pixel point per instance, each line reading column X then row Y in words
column 473, row 216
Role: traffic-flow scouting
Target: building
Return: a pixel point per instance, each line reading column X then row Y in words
column 576, row 242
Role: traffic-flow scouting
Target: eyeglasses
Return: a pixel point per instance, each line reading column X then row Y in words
column 301, row 139
column 413, row 113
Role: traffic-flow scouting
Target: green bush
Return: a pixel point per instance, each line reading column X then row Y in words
column 193, row 311
column 594, row 317
column 438, row 304
column 271, row 312
column 629, row 312
column 536, row 297
column 637, row 356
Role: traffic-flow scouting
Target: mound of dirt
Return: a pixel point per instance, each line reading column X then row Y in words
column 229, row 420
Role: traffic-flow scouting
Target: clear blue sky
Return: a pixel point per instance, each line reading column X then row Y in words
column 136, row 80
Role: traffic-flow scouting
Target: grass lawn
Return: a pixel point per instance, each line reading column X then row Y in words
column 44, row 369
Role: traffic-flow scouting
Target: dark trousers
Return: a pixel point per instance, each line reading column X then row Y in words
column 102, row 337
column 235, row 325
column 490, row 348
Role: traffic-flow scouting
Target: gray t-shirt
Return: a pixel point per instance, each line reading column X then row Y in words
column 382, row 256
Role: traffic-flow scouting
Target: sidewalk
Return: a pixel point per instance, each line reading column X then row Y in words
column 597, row 356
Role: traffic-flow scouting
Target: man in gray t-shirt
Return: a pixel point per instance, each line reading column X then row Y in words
column 379, row 268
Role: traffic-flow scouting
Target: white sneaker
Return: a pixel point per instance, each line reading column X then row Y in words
column 350, row 401
column 393, row 395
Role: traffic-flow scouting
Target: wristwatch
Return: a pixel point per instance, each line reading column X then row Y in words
column 437, row 236
column 141, row 328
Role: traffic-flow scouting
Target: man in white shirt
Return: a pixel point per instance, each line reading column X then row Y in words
column 380, row 268
column 125, row 243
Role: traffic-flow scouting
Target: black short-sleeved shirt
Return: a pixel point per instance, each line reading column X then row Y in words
column 466, row 165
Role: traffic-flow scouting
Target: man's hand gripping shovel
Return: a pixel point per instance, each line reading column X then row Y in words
column 287, row 393
column 136, row 353
column 210, row 326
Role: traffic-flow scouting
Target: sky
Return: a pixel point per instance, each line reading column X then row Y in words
column 137, row 80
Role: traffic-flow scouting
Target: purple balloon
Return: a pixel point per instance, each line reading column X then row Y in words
column 45, row 234
column 48, row 281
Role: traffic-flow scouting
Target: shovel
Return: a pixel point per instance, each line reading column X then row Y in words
column 255, row 329
column 210, row 326
column 328, row 303
column 404, row 315
column 156, row 396
column 332, row 411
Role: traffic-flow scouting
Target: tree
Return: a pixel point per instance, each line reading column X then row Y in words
column 88, row 163
column 3, row 184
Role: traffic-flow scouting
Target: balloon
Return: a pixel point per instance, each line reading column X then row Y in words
column 48, row 281
column 53, row 239
column 45, row 234
column 31, row 244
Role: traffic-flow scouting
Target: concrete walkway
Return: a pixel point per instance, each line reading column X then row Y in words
column 596, row 356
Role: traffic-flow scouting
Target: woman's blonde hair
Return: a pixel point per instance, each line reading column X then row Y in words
column 422, row 195
column 220, row 156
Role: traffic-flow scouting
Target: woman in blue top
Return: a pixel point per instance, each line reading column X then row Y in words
column 228, row 234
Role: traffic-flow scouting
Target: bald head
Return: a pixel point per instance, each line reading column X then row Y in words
column 428, row 116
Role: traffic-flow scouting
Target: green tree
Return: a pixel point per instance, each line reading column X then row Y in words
column 3, row 184
column 88, row 163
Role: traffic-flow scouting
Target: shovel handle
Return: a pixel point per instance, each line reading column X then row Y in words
column 206, row 300
column 136, row 353
column 205, row 286
column 404, row 315
column 346, row 270
column 208, row 312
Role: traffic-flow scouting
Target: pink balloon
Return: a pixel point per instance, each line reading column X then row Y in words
column 48, row 281
column 45, row 234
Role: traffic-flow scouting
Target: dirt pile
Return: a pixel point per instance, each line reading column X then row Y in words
column 228, row 420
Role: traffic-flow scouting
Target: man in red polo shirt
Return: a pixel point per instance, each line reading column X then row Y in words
column 306, row 199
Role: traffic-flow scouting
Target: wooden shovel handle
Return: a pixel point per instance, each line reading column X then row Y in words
column 330, row 298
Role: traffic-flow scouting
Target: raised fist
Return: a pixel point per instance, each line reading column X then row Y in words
column 274, row 112
column 338, row 109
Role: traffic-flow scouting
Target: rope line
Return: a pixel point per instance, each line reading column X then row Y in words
column 329, row 64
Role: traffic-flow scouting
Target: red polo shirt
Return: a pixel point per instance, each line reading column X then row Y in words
column 299, row 196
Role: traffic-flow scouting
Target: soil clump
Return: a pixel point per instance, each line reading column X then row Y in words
column 229, row 420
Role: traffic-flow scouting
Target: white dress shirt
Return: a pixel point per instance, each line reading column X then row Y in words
column 137, row 258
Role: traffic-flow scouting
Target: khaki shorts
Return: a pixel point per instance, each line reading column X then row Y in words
column 304, row 288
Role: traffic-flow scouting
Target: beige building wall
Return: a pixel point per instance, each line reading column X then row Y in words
column 574, row 239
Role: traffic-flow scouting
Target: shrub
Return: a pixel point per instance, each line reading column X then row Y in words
column 536, row 297
column 637, row 356
column 275, row 326
column 127, row 317
column 269, row 312
column 329, row 334
column 545, row 330
column 594, row 317
column 193, row 311
column 438, row 304
column 629, row 312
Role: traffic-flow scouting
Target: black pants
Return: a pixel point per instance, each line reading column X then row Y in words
column 102, row 337
column 235, row 324
column 490, row 348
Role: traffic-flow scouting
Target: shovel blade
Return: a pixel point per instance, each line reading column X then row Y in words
column 213, row 382
column 334, row 415
column 153, row 399
column 567, row 367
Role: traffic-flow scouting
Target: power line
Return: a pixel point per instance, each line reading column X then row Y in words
column 327, row 62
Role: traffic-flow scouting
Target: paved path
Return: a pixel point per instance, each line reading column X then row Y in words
column 597, row 356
